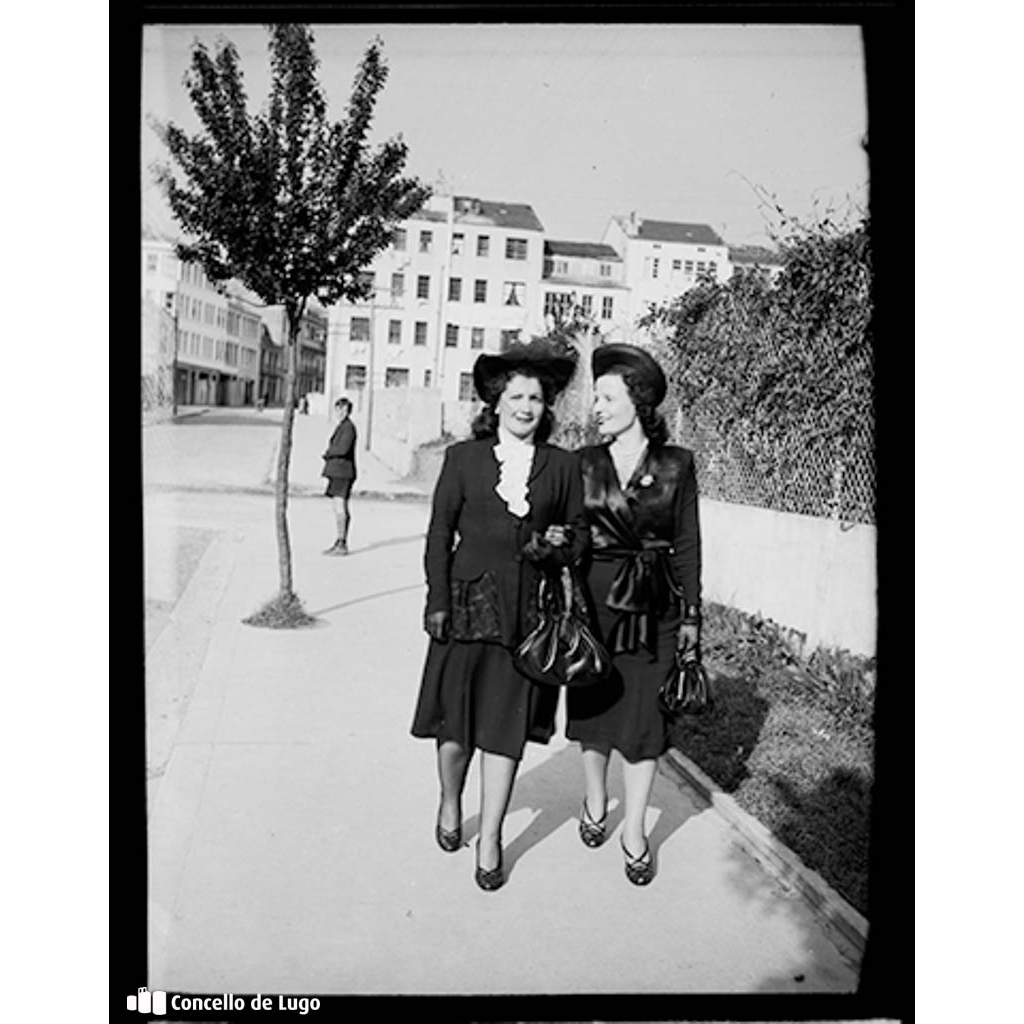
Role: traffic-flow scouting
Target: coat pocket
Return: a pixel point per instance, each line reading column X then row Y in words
column 476, row 611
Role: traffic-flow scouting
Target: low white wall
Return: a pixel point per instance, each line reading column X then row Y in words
column 403, row 418
column 810, row 575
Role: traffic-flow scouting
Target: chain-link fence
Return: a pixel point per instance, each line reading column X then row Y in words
column 826, row 480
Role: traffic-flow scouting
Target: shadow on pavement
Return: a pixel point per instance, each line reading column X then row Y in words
column 554, row 789
column 364, row 598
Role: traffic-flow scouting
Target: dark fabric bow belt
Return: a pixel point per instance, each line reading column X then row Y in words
column 640, row 593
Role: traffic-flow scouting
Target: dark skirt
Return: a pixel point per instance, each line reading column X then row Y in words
column 471, row 693
column 339, row 486
column 622, row 712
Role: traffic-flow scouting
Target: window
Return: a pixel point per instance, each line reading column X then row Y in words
column 689, row 267
column 220, row 351
column 479, row 291
column 423, row 286
column 700, row 266
column 509, row 338
column 151, row 260
column 207, row 347
column 556, row 302
column 396, row 377
column 395, row 332
column 427, row 377
column 457, row 239
column 366, row 279
column 654, row 267
column 398, row 239
column 512, row 294
column 221, row 317
column 561, row 266
column 426, row 240
column 605, row 270
column 465, row 387
column 713, row 267
column 606, row 308
column 587, row 303
column 476, row 338
column 451, row 335
column 355, row 377
column 677, row 264
column 700, row 248
column 208, row 313
column 483, row 245
column 455, row 289
column 420, row 333
column 231, row 353
column 515, row 248
column 359, row 328
column 397, row 285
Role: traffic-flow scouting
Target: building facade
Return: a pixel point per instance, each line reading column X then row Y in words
column 462, row 276
column 216, row 335
column 588, row 276
column 663, row 259
column 312, row 353
column 754, row 259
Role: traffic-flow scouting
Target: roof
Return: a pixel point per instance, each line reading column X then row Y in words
column 469, row 209
column 586, row 250
column 755, row 254
column 670, row 231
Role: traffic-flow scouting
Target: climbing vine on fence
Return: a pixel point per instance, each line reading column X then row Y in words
column 775, row 380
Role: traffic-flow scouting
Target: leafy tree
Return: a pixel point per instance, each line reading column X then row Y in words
column 574, row 332
column 285, row 201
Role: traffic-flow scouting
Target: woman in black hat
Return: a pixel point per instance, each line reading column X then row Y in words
column 643, row 572
column 516, row 505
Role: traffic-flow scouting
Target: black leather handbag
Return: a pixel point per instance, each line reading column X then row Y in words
column 561, row 650
column 686, row 689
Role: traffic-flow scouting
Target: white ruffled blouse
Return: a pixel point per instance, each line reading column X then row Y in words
column 515, row 458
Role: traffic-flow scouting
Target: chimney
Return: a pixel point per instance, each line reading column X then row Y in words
column 634, row 224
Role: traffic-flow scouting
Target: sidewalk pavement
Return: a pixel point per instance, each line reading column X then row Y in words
column 291, row 814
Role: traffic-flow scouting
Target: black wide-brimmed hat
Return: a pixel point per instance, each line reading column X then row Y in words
column 543, row 359
column 609, row 358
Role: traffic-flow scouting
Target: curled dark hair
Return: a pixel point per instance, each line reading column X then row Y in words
column 641, row 393
column 485, row 423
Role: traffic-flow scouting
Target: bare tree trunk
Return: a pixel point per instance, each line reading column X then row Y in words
column 284, row 455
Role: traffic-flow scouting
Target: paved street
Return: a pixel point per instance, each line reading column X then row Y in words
column 291, row 814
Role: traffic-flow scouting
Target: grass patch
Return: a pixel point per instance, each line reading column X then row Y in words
column 285, row 611
column 792, row 742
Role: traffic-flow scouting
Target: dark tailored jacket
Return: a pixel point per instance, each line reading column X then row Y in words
column 494, row 546
column 340, row 457
column 652, row 529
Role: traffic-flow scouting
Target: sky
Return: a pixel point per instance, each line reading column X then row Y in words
column 583, row 122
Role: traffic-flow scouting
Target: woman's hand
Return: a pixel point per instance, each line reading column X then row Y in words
column 436, row 625
column 687, row 640
column 556, row 536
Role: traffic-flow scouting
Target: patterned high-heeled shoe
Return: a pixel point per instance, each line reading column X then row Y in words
column 591, row 832
column 492, row 879
column 639, row 870
column 449, row 841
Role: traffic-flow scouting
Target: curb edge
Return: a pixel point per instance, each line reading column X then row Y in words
column 782, row 862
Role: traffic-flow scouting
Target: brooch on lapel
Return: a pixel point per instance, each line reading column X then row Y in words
column 646, row 480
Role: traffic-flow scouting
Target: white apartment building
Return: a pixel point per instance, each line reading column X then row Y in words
column 217, row 336
column 462, row 276
column 588, row 275
column 755, row 259
column 664, row 258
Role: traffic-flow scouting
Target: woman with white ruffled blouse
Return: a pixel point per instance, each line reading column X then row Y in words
column 515, row 505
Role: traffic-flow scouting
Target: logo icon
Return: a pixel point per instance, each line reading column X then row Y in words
column 148, row 1002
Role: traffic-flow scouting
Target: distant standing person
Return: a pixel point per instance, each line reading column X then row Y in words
column 340, row 470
